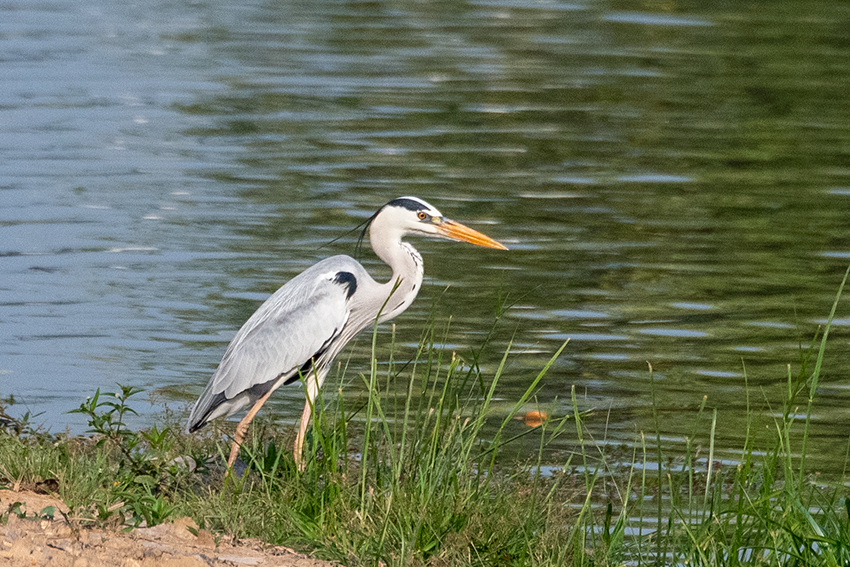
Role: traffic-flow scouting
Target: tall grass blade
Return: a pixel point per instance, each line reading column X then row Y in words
column 816, row 375
column 710, row 459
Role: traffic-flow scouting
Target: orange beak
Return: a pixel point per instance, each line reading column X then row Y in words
column 456, row 231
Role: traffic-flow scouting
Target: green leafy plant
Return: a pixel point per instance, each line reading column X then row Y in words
column 141, row 471
column 107, row 418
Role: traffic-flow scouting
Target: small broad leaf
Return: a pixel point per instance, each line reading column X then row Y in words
column 145, row 480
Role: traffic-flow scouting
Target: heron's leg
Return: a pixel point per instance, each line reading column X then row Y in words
column 298, row 451
column 314, row 382
column 242, row 428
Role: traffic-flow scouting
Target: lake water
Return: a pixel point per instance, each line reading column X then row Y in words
column 673, row 180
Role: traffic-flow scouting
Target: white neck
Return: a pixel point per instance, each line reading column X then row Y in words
column 405, row 262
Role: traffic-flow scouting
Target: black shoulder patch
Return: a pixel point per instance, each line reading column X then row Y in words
column 348, row 280
column 409, row 204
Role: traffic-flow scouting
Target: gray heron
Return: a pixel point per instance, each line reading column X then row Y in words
column 299, row 330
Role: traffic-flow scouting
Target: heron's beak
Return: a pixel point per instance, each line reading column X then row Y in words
column 456, row 231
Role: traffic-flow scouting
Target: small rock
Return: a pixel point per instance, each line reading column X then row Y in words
column 181, row 527
column 13, row 522
column 205, row 539
column 12, row 534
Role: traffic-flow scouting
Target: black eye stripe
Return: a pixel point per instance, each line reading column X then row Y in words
column 408, row 204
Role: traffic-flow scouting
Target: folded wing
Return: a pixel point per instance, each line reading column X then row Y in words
column 292, row 329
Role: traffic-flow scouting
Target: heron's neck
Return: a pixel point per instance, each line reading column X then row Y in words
column 408, row 273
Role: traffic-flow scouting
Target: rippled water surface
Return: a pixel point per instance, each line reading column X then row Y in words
column 673, row 180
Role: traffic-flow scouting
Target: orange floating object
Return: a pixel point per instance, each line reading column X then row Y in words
column 535, row 418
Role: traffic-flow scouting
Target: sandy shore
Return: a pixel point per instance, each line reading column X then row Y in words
column 39, row 541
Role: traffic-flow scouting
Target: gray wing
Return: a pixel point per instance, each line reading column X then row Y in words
column 291, row 329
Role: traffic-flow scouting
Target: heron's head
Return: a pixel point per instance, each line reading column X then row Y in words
column 411, row 215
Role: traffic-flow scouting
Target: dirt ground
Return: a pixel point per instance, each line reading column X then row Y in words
column 38, row 541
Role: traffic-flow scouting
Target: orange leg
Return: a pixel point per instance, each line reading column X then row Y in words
column 298, row 451
column 242, row 428
column 314, row 382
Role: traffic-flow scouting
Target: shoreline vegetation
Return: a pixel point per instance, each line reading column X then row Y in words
column 417, row 479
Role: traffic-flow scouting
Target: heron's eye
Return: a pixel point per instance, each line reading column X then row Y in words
column 421, row 216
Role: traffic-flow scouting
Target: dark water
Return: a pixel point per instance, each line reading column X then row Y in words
column 673, row 180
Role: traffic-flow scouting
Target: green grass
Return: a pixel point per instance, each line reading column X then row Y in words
column 417, row 474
